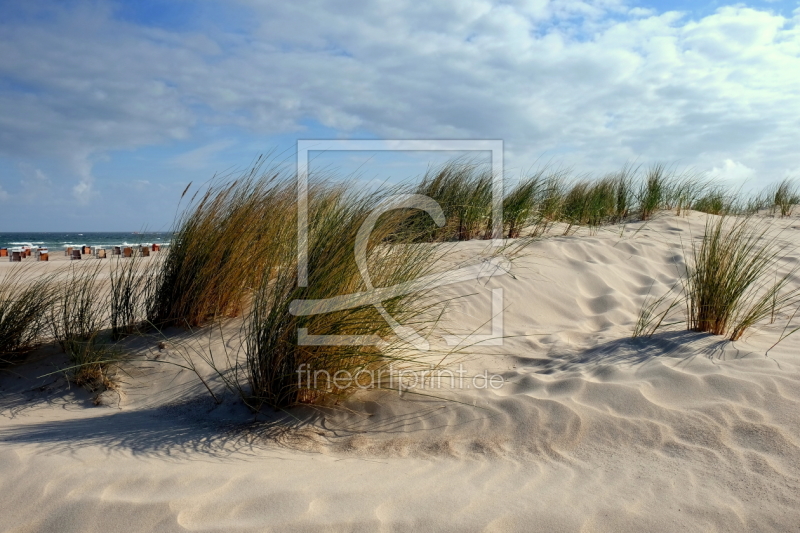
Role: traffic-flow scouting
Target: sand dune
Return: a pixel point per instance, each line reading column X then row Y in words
column 590, row 431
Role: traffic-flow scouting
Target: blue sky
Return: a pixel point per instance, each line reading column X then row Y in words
column 701, row 9
column 108, row 109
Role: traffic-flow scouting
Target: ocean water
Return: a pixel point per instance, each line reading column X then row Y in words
column 59, row 241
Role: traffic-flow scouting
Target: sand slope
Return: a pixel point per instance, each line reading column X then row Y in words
column 591, row 430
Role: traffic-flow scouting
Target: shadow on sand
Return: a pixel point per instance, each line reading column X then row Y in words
column 669, row 344
column 199, row 426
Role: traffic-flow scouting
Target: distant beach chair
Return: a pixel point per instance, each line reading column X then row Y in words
column 15, row 256
column 43, row 254
column 127, row 252
column 117, row 250
column 3, row 252
column 156, row 247
column 87, row 250
column 145, row 251
column 68, row 251
column 27, row 252
column 101, row 253
column 76, row 254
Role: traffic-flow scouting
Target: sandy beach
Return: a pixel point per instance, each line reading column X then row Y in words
column 589, row 430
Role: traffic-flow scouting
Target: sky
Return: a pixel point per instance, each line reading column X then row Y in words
column 108, row 109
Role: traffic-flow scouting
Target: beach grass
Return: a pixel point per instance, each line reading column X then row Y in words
column 23, row 308
column 653, row 313
column 464, row 191
column 78, row 313
column 786, row 197
column 78, row 321
column 731, row 279
column 235, row 249
column 653, row 190
column 275, row 349
column 520, row 205
column 218, row 243
column 132, row 290
column 716, row 201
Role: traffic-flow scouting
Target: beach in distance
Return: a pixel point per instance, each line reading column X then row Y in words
column 59, row 241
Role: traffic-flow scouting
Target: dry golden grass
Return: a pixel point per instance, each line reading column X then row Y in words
column 218, row 244
column 274, row 353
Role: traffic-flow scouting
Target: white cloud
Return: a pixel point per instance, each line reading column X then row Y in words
column 83, row 192
column 732, row 171
column 595, row 83
column 81, row 166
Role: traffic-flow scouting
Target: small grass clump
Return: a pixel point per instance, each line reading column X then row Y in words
column 464, row 191
column 685, row 192
column 730, row 281
column 601, row 203
column 574, row 207
column 132, row 285
column 520, row 205
column 595, row 203
column 755, row 203
column 551, row 198
column 23, row 307
column 78, row 310
column 653, row 191
column 786, row 197
column 715, row 201
column 93, row 364
column 77, row 319
column 623, row 185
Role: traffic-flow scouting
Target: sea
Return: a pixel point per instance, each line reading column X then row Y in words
column 61, row 240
